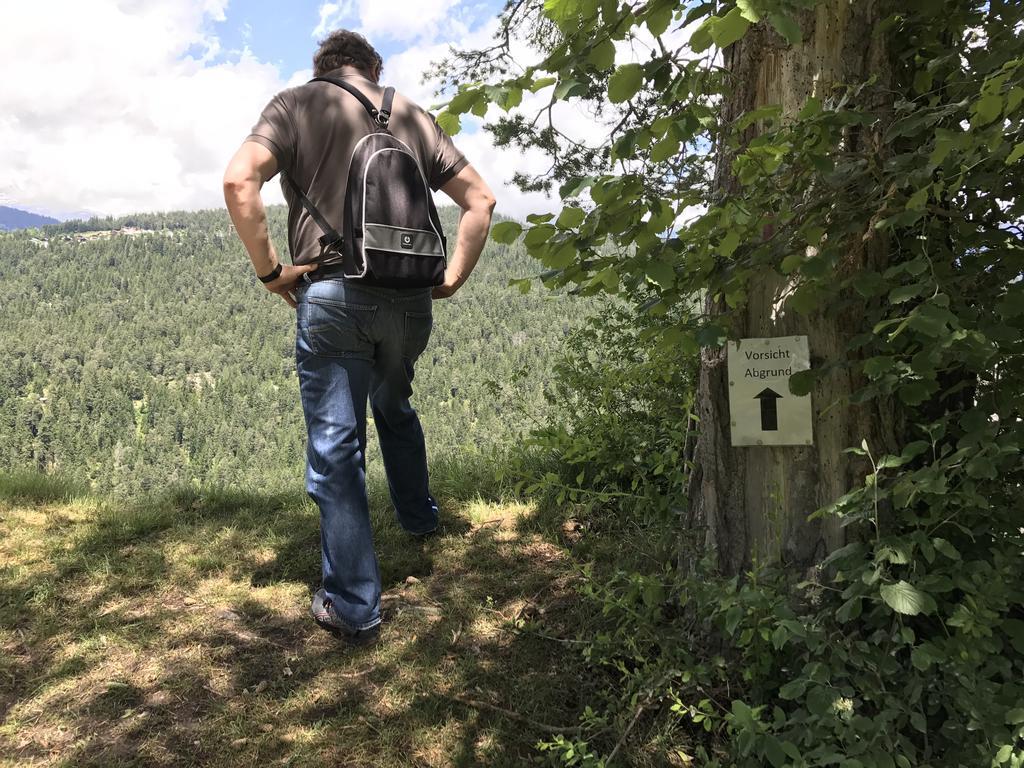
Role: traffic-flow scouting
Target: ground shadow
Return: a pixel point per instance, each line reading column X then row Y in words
column 174, row 632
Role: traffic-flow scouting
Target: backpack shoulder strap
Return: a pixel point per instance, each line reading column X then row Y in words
column 384, row 115
column 330, row 236
column 351, row 89
column 380, row 116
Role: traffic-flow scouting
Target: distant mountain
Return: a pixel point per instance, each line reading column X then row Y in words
column 12, row 218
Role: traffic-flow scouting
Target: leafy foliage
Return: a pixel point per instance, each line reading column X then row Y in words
column 904, row 648
column 614, row 398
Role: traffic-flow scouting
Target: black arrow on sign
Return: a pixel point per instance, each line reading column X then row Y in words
column 769, row 409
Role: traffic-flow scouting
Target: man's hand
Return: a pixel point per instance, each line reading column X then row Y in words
column 476, row 200
column 446, row 290
column 287, row 280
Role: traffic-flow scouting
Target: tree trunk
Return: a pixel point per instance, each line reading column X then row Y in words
column 750, row 505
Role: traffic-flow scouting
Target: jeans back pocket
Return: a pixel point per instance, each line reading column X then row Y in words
column 340, row 329
column 417, row 333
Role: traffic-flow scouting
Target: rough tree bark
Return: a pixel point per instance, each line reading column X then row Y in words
column 751, row 505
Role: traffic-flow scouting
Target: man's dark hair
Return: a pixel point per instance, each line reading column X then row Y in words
column 343, row 47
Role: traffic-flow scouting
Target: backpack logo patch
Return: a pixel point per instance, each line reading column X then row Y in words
column 406, row 241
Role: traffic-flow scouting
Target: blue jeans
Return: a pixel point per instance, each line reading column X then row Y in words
column 352, row 343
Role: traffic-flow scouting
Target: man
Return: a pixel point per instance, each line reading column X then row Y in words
column 354, row 342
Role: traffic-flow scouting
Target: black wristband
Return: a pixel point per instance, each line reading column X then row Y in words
column 274, row 274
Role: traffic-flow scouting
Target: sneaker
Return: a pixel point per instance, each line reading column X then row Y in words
column 437, row 516
column 326, row 618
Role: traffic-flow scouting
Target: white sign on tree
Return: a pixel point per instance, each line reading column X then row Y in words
column 762, row 410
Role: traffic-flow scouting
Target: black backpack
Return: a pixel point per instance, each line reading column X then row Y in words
column 392, row 234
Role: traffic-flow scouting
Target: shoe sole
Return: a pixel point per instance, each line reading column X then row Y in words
column 362, row 637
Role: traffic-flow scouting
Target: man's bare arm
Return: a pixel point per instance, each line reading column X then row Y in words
column 471, row 193
column 251, row 167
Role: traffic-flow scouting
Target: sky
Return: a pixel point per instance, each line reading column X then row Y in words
column 110, row 107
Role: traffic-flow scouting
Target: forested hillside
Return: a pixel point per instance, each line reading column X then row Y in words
column 141, row 352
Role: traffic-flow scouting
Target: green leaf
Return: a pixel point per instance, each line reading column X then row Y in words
column 570, row 218
column 1014, row 628
column 541, row 83
column 463, row 101
column 538, row 235
column 902, row 293
column 602, row 55
column 729, row 243
column 906, row 599
column 561, row 257
column 573, row 187
column 766, row 113
column 701, row 40
column 919, row 199
column 819, row 701
column 523, row 284
column 711, row 336
column 922, row 658
column 811, row 108
column 701, row 9
column 449, row 123
column 988, row 108
column 773, row 751
column 1015, row 716
column 787, row 26
column 897, row 554
column 791, row 263
column 566, row 89
column 794, row 689
column 743, row 716
column 732, row 619
column 869, row 284
column 945, row 548
column 561, row 10
column 850, row 610
column 625, row 82
column 664, row 149
column 730, row 28
column 750, row 12
column 659, row 17
column 845, row 554
column 661, row 274
column 916, row 391
column 506, row 232
column 1016, row 154
column 653, row 594
column 513, row 98
column 923, row 81
column 802, row 382
column 877, row 366
column 931, row 320
column 805, row 299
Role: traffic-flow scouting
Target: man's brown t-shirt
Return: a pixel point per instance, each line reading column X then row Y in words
column 312, row 131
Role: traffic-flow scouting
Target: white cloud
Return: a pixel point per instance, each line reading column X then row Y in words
column 123, row 109
column 333, row 15
column 405, row 71
column 402, row 20
column 130, row 105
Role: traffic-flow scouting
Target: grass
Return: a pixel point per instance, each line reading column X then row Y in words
column 174, row 631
